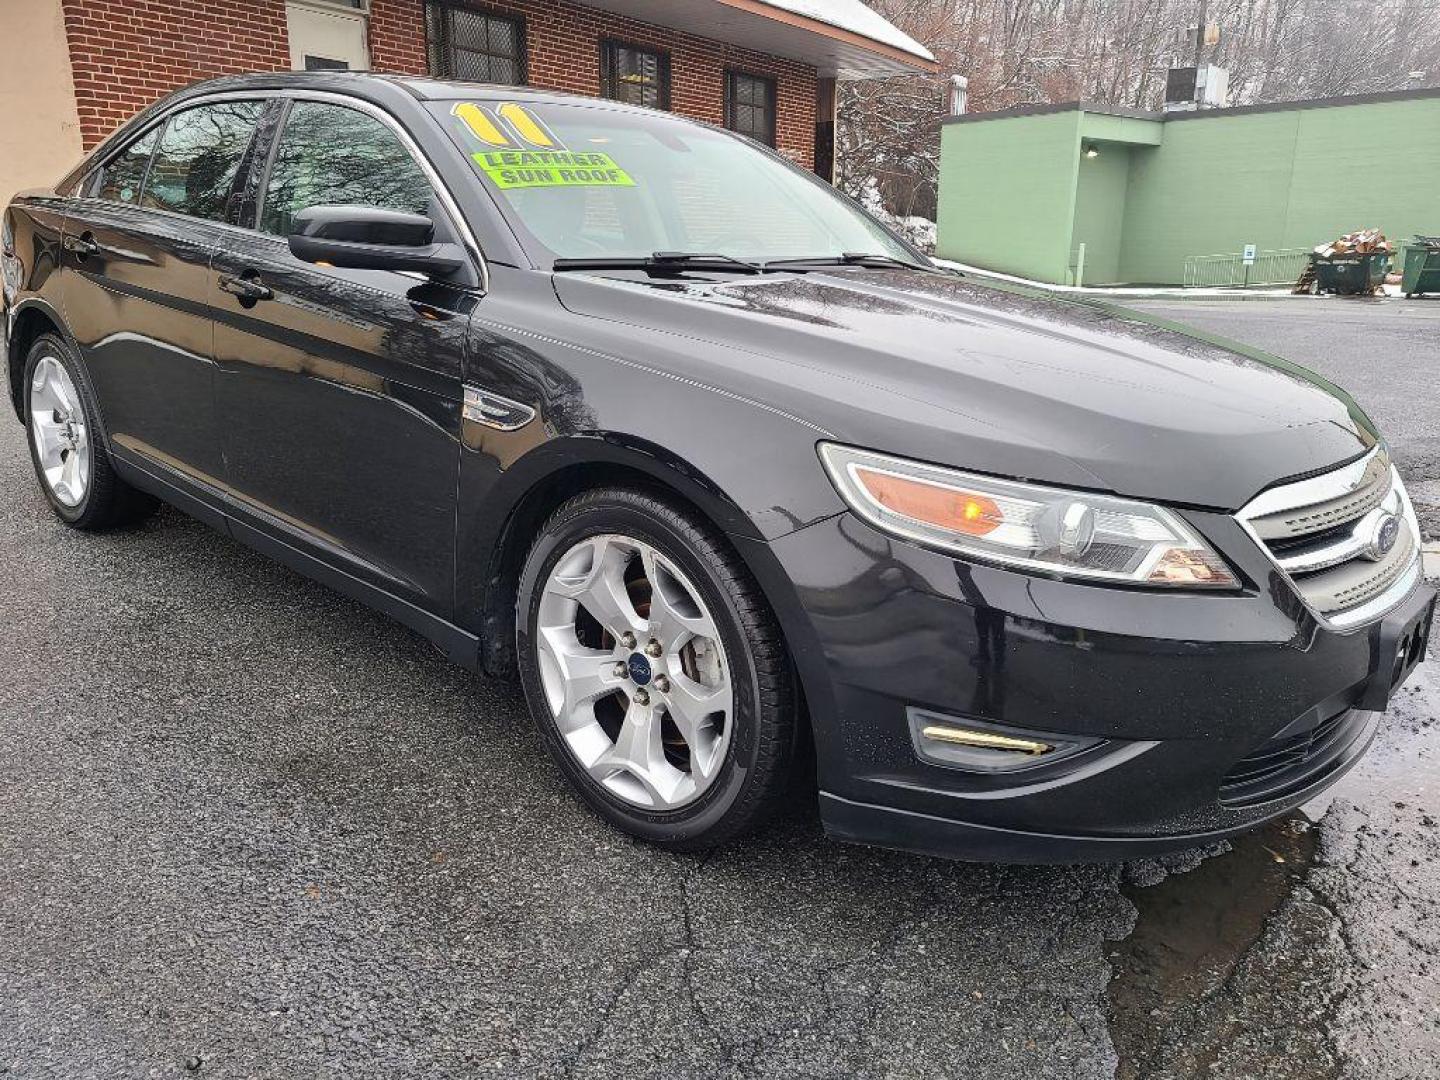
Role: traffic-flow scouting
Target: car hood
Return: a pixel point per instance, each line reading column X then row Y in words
column 997, row 379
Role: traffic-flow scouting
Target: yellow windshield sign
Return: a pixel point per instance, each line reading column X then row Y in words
column 528, row 126
column 551, row 168
column 522, row 151
column 482, row 123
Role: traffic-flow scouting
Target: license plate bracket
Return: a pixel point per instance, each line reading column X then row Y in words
column 1398, row 648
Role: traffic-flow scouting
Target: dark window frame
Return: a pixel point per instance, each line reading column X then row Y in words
column 610, row 75
column 772, row 86
column 445, row 48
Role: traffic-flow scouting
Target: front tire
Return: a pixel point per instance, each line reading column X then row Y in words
column 70, row 458
column 655, row 670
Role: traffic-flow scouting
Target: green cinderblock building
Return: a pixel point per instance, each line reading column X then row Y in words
column 1021, row 190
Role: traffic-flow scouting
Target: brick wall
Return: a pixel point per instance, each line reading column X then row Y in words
column 127, row 53
column 563, row 43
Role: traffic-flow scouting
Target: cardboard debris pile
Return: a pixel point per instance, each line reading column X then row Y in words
column 1361, row 242
column 1354, row 265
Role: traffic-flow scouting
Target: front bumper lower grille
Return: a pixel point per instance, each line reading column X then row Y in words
column 1347, row 539
column 1291, row 763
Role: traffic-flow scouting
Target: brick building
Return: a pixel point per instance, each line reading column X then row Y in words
column 73, row 70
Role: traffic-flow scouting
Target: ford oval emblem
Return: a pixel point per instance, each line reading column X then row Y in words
column 639, row 669
column 1387, row 531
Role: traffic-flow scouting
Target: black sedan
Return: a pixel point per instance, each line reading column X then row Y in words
column 729, row 473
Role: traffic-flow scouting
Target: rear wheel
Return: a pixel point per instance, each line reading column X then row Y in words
column 655, row 670
column 70, row 458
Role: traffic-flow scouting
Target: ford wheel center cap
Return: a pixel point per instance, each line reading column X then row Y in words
column 640, row 669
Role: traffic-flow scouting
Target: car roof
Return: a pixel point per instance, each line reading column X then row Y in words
column 370, row 84
column 378, row 88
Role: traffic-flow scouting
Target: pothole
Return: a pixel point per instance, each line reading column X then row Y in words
column 1191, row 930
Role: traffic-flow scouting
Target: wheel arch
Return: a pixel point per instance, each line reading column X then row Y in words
column 31, row 318
column 537, row 485
column 522, row 497
column 528, row 492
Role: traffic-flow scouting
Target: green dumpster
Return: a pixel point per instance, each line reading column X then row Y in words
column 1351, row 274
column 1422, row 266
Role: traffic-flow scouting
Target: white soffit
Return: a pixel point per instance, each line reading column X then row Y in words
column 840, row 38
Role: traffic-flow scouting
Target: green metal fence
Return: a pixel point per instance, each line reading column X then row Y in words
column 1279, row 267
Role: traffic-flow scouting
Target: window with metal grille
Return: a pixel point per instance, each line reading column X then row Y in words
column 750, row 106
column 635, row 75
column 474, row 45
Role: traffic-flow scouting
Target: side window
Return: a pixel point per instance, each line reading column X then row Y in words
column 124, row 175
column 750, row 106
column 198, row 156
column 474, row 45
column 330, row 155
column 635, row 75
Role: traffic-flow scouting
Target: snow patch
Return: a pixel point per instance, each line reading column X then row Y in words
column 918, row 230
column 856, row 17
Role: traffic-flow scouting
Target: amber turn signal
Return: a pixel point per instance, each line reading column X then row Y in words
column 947, row 508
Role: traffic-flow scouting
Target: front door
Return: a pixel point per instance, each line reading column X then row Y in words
column 339, row 391
column 137, row 288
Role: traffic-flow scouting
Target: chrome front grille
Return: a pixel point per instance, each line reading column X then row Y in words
column 1309, row 518
column 1347, row 539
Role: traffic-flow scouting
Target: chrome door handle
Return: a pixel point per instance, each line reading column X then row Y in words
column 82, row 245
column 246, row 288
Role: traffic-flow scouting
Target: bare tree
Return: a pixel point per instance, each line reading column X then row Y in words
column 1021, row 52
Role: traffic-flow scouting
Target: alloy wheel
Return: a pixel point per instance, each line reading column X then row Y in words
column 634, row 672
column 57, row 424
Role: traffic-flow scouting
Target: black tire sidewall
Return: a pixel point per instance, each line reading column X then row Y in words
column 707, row 813
column 51, row 345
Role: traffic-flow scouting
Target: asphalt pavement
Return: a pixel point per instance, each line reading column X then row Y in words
column 251, row 829
column 1385, row 353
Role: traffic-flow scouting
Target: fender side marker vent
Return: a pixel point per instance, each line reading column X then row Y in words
column 495, row 411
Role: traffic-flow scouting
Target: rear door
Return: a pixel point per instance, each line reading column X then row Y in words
column 137, row 291
column 339, row 391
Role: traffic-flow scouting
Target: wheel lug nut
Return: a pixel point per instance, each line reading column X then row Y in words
column 662, row 684
column 653, row 649
column 642, row 697
column 627, row 639
column 620, row 670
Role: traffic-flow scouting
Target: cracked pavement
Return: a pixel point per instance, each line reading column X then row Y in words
column 250, row 826
column 251, row 829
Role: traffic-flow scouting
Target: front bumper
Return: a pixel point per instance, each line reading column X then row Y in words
column 1211, row 713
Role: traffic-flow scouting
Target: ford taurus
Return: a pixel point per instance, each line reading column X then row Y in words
column 733, row 477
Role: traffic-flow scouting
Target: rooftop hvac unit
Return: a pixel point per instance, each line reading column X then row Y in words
column 1188, row 88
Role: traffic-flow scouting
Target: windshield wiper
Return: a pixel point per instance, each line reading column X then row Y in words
column 849, row 258
column 664, row 262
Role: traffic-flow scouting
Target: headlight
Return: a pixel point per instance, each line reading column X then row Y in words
column 1069, row 533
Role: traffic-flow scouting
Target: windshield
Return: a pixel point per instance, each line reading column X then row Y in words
column 581, row 182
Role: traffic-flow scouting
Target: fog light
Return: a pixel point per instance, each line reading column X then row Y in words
column 986, row 740
column 961, row 742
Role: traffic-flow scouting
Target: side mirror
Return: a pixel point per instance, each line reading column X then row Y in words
column 368, row 238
